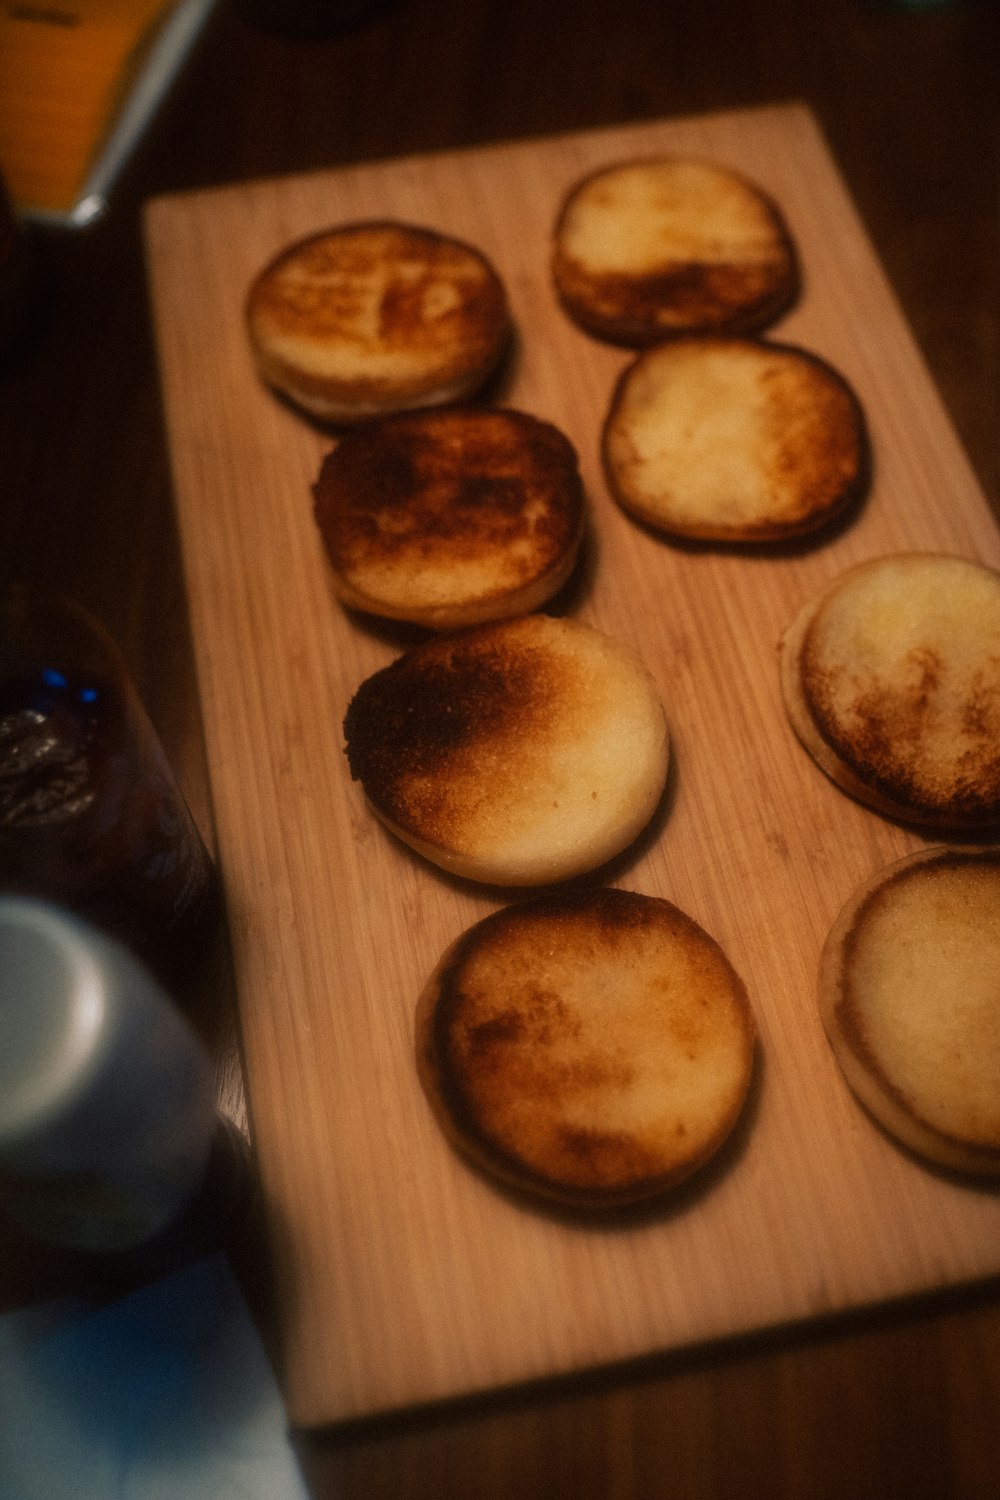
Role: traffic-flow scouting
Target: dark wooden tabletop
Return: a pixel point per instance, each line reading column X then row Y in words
column 896, row 1402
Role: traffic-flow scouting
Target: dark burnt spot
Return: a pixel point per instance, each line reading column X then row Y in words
column 497, row 1032
column 414, row 713
column 493, row 499
column 454, row 484
column 358, row 482
column 479, row 689
column 603, row 1156
column 540, row 1020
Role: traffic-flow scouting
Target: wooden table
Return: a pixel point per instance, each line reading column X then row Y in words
column 899, row 1401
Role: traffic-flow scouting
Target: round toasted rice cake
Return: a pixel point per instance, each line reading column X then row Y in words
column 591, row 1048
column 646, row 249
column 733, row 440
column 891, row 680
column 516, row 753
column 451, row 518
column 910, row 997
column 368, row 318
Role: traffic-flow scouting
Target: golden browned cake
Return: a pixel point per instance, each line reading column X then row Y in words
column 891, row 680
column 515, row 753
column 450, row 518
column 594, row 1048
column 643, row 250
column 369, row 318
column 910, row 997
column 733, row 440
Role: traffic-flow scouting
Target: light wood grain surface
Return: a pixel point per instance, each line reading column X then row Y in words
column 402, row 1277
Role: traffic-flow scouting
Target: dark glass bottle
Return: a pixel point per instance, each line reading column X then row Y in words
column 91, row 816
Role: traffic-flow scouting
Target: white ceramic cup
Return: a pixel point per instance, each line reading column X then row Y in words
column 107, row 1111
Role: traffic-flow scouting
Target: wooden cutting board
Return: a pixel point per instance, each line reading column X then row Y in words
column 404, row 1277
